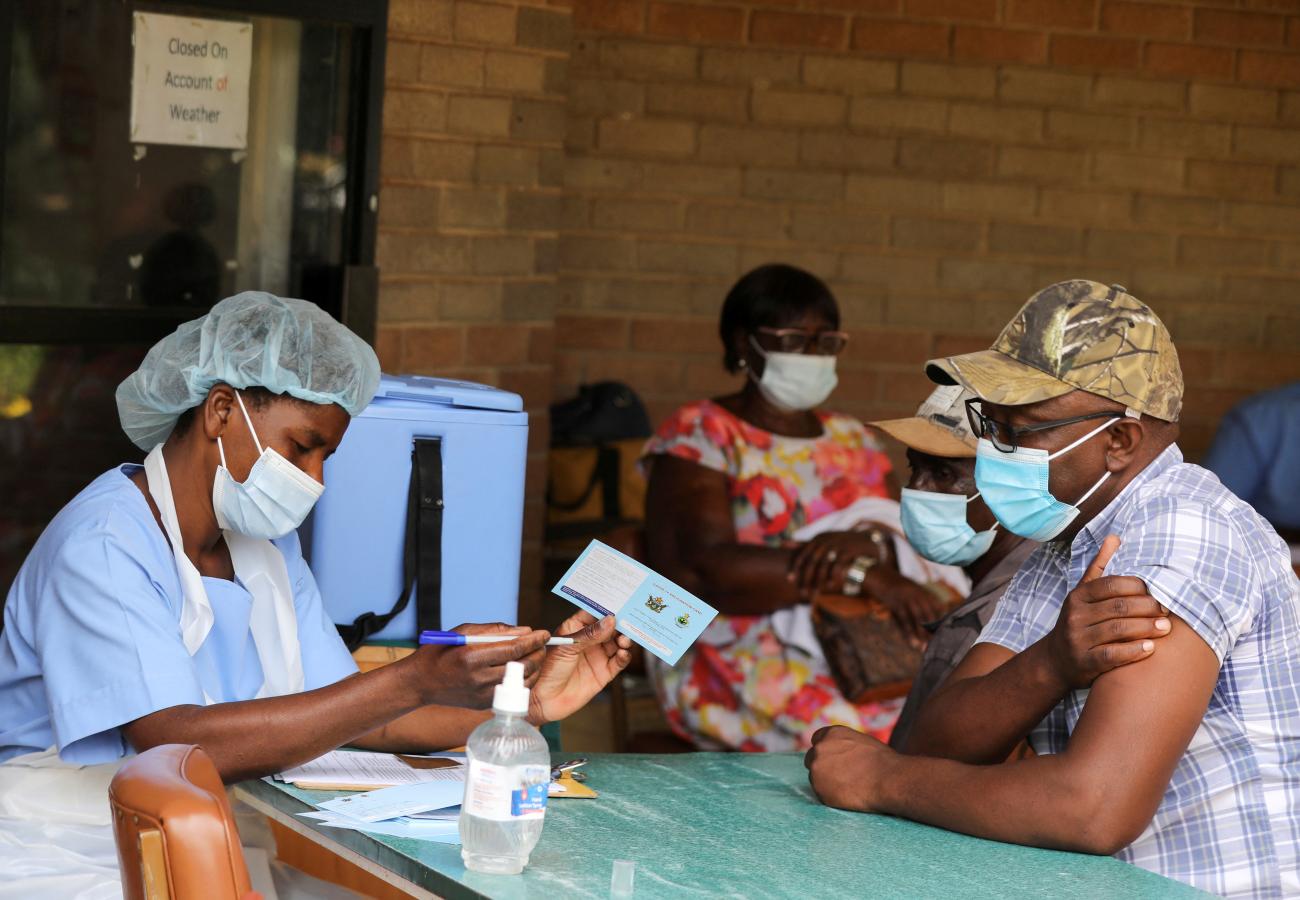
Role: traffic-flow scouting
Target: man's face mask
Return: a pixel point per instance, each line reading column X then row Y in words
column 936, row 527
column 272, row 501
column 795, row 381
column 1015, row 487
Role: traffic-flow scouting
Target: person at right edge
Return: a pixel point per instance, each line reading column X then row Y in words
column 1185, row 760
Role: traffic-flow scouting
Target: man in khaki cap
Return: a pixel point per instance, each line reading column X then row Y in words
column 1182, row 759
column 946, row 522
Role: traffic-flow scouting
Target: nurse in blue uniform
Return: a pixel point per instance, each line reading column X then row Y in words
column 170, row 602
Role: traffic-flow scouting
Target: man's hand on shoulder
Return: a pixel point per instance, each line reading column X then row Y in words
column 1105, row 622
column 847, row 769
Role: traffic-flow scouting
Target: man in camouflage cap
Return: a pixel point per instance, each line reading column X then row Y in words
column 1181, row 758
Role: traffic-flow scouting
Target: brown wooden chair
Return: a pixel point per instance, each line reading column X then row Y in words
column 176, row 836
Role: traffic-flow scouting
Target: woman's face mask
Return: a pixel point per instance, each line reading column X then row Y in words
column 1015, row 487
column 272, row 501
column 795, row 381
column 936, row 527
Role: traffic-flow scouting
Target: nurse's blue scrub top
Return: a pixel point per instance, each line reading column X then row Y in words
column 92, row 636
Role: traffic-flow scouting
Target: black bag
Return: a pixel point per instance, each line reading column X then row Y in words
column 601, row 413
column 596, row 437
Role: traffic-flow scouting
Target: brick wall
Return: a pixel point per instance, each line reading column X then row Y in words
column 568, row 193
column 472, row 168
column 935, row 161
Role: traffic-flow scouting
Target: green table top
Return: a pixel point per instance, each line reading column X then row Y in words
column 739, row 825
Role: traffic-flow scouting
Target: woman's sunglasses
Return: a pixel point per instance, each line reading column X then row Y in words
column 796, row 340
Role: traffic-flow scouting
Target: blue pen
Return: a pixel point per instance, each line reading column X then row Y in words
column 456, row 639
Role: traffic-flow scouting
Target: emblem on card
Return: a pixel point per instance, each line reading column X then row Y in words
column 684, row 620
column 655, row 604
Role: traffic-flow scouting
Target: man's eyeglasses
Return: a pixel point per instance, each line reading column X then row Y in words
column 1007, row 437
column 796, row 340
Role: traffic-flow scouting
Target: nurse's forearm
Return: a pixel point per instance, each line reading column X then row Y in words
column 425, row 730
column 253, row 738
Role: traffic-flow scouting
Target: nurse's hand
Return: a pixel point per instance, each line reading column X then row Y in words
column 571, row 675
column 465, row 676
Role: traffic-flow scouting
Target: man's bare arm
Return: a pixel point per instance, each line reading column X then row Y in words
column 994, row 699
column 987, row 706
column 1095, row 797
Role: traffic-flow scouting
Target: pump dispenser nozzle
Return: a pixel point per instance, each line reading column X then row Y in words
column 511, row 695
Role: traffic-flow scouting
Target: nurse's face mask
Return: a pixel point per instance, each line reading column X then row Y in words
column 272, row 501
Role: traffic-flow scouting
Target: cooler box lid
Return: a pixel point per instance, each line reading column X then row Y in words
column 447, row 392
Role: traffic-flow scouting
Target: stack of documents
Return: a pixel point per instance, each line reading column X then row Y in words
column 425, row 811
column 359, row 770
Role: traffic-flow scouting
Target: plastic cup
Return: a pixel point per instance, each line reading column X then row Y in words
column 620, row 884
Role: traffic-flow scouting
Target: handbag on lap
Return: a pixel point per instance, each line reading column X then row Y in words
column 869, row 654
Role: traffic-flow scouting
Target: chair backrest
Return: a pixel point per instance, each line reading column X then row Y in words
column 176, row 836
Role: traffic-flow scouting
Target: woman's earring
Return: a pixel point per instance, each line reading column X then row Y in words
column 744, row 363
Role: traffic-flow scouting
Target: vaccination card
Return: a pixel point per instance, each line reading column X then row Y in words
column 648, row 608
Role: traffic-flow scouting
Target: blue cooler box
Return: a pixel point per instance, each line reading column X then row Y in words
column 356, row 535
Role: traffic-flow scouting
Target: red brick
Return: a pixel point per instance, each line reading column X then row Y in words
column 1269, row 68
column 1188, row 60
column 872, row 7
column 675, row 335
column 541, row 345
column 1060, row 13
column 590, row 332
column 1293, row 33
column 1224, row 26
column 431, row 349
column 896, row 346
column 999, row 45
column 957, row 344
column 987, row 10
column 496, row 345
column 797, row 30
column 900, row 38
column 1146, row 19
column 692, row 22
column 1094, row 52
column 388, row 347
column 617, row 16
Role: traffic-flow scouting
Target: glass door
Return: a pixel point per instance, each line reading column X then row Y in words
column 108, row 242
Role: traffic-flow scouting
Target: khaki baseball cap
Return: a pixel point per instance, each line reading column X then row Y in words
column 939, row 428
column 1075, row 335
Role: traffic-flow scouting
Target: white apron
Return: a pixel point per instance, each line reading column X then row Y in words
column 56, row 836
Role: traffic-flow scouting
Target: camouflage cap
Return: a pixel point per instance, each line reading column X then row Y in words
column 939, row 428
column 1075, row 335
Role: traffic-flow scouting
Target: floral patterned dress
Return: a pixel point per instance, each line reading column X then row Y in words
column 740, row 687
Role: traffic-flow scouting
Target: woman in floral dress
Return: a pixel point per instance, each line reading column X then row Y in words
column 731, row 482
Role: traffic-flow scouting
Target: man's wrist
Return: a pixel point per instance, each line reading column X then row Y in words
column 889, row 791
column 1046, row 669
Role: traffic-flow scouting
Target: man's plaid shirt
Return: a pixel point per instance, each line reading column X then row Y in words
column 1229, row 822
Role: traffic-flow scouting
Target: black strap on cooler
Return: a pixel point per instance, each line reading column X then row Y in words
column 421, row 553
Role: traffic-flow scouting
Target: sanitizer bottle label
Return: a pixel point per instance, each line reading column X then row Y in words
column 503, row 793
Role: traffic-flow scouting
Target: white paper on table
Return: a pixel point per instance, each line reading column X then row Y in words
column 439, row 832
column 451, row 813
column 402, row 800
column 361, row 767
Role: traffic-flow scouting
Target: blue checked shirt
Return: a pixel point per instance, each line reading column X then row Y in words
column 1229, row 822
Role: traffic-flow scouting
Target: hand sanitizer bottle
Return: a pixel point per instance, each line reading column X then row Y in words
column 505, row 787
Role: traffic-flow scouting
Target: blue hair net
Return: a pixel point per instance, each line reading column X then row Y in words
column 253, row 339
